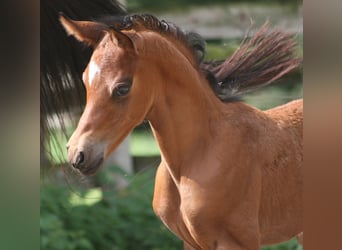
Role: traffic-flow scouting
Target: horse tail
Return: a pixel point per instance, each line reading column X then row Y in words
column 259, row 61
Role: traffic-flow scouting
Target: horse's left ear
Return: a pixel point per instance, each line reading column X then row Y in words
column 84, row 31
column 121, row 39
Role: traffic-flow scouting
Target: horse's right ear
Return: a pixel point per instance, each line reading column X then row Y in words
column 84, row 31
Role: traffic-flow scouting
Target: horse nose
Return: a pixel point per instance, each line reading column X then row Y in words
column 79, row 160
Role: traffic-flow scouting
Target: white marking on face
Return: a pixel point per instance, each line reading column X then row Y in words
column 94, row 69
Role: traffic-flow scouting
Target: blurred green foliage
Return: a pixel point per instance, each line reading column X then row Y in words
column 222, row 49
column 119, row 220
column 77, row 219
column 216, row 51
column 290, row 245
column 142, row 143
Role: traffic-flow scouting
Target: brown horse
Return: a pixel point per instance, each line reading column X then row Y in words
column 230, row 175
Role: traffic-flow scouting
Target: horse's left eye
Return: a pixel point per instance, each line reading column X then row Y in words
column 122, row 89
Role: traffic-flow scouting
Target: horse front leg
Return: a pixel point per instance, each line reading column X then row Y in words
column 166, row 203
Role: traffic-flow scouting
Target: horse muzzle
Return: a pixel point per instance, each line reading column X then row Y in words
column 87, row 159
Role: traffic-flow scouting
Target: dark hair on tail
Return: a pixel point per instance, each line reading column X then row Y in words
column 259, row 61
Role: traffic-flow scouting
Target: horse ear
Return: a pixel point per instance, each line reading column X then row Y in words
column 84, row 31
column 121, row 39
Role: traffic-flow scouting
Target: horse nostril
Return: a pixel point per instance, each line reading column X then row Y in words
column 67, row 147
column 79, row 160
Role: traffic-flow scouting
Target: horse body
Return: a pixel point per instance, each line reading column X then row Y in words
column 240, row 181
column 230, row 175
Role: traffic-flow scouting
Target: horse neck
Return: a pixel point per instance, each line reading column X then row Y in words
column 182, row 113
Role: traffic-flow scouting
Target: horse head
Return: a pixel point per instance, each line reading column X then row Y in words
column 111, row 112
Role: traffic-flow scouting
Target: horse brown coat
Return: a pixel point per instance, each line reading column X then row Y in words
column 230, row 175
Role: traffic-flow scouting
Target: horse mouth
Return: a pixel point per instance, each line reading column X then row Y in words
column 92, row 168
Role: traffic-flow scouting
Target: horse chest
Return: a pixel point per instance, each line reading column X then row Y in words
column 182, row 209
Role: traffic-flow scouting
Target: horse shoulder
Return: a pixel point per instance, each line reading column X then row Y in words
column 166, row 197
column 166, row 204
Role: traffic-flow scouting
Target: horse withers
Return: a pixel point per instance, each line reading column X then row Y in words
column 230, row 175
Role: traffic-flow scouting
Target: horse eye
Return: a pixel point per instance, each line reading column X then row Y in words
column 122, row 89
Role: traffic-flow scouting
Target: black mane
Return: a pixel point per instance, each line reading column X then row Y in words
column 191, row 40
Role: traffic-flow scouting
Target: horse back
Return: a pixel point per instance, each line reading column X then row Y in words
column 289, row 115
